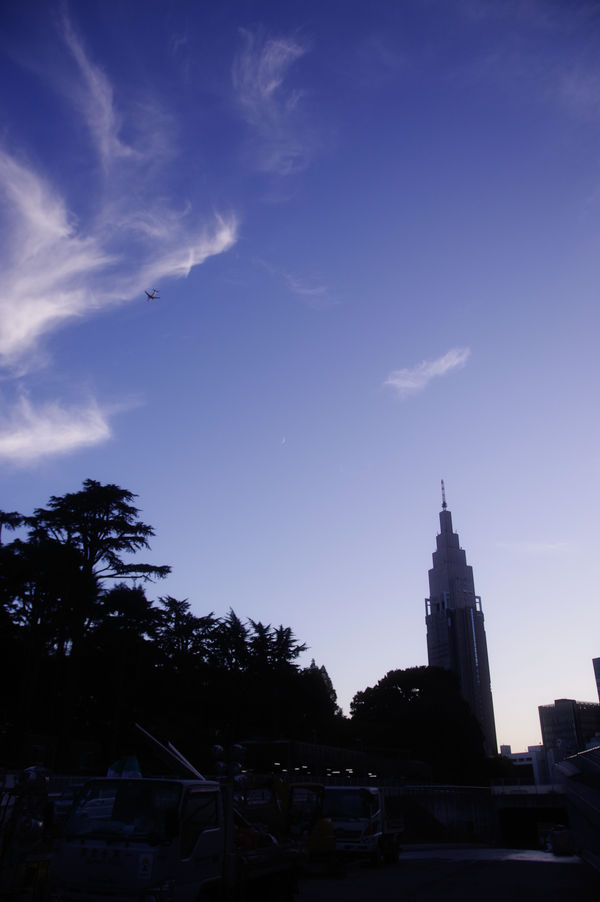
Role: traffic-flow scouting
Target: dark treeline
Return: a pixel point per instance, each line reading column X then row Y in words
column 419, row 713
column 84, row 653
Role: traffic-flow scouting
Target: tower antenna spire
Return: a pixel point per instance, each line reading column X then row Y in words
column 444, row 505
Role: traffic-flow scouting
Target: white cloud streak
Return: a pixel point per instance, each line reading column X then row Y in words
column 314, row 293
column 301, row 288
column 51, row 272
column 95, row 98
column 54, row 269
column 412, row 380
column 178, row 262
column 29, row 434
column 46, row 264
column 316, row 296
column 258, row 75
column 58, row 267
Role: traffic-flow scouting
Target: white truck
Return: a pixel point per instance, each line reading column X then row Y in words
column 164, row 840
column 366, row 821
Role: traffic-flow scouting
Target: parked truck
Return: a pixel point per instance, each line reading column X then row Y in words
column 165, row 840
column 366, row 821
column 132, row 838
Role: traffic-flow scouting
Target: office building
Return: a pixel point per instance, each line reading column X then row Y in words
column 596, row 663
column 530, row 766
column 568, row 727
column 455, row 627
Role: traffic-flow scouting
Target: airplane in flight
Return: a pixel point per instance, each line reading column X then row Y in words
column 152, row 295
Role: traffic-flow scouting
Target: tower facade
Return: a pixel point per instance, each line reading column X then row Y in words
column 455, row 627
column 596, row 663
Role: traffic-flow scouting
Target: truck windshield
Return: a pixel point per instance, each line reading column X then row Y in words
column 348, row 803
column 142, row 810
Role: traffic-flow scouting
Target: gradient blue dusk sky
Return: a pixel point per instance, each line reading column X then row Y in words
column 375, row 231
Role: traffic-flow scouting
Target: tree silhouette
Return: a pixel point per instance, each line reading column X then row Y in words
column 96, row 527
column 260, row 646
column 184, row 639
column 419, row 713
column 231, row 643
column 285, row 647
column 120, row 658
column 329, row 695
column 84, row 653
column 128, row 617
column 102, row 524
column 272, row 649
column 46, row 592
column 55, row 607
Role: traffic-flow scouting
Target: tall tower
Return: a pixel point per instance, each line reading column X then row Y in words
column 455, row 629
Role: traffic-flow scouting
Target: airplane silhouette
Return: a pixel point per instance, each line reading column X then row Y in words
column 150, row 296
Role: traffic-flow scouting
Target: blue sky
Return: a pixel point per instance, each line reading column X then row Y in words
column 375, row 233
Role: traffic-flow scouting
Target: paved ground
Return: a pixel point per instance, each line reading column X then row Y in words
column 461, row 875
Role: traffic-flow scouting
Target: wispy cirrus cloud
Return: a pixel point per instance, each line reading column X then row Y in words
column 316, row 294
column 414, row 379
column 60, row 265
column 282, row 144
column 312, row 291
column 94, row 95
column 47, row 266
column 52, row 266
column 53, row 260
column 29, row 434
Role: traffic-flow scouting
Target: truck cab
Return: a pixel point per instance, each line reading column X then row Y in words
column 361, row 821
column 132, row 839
